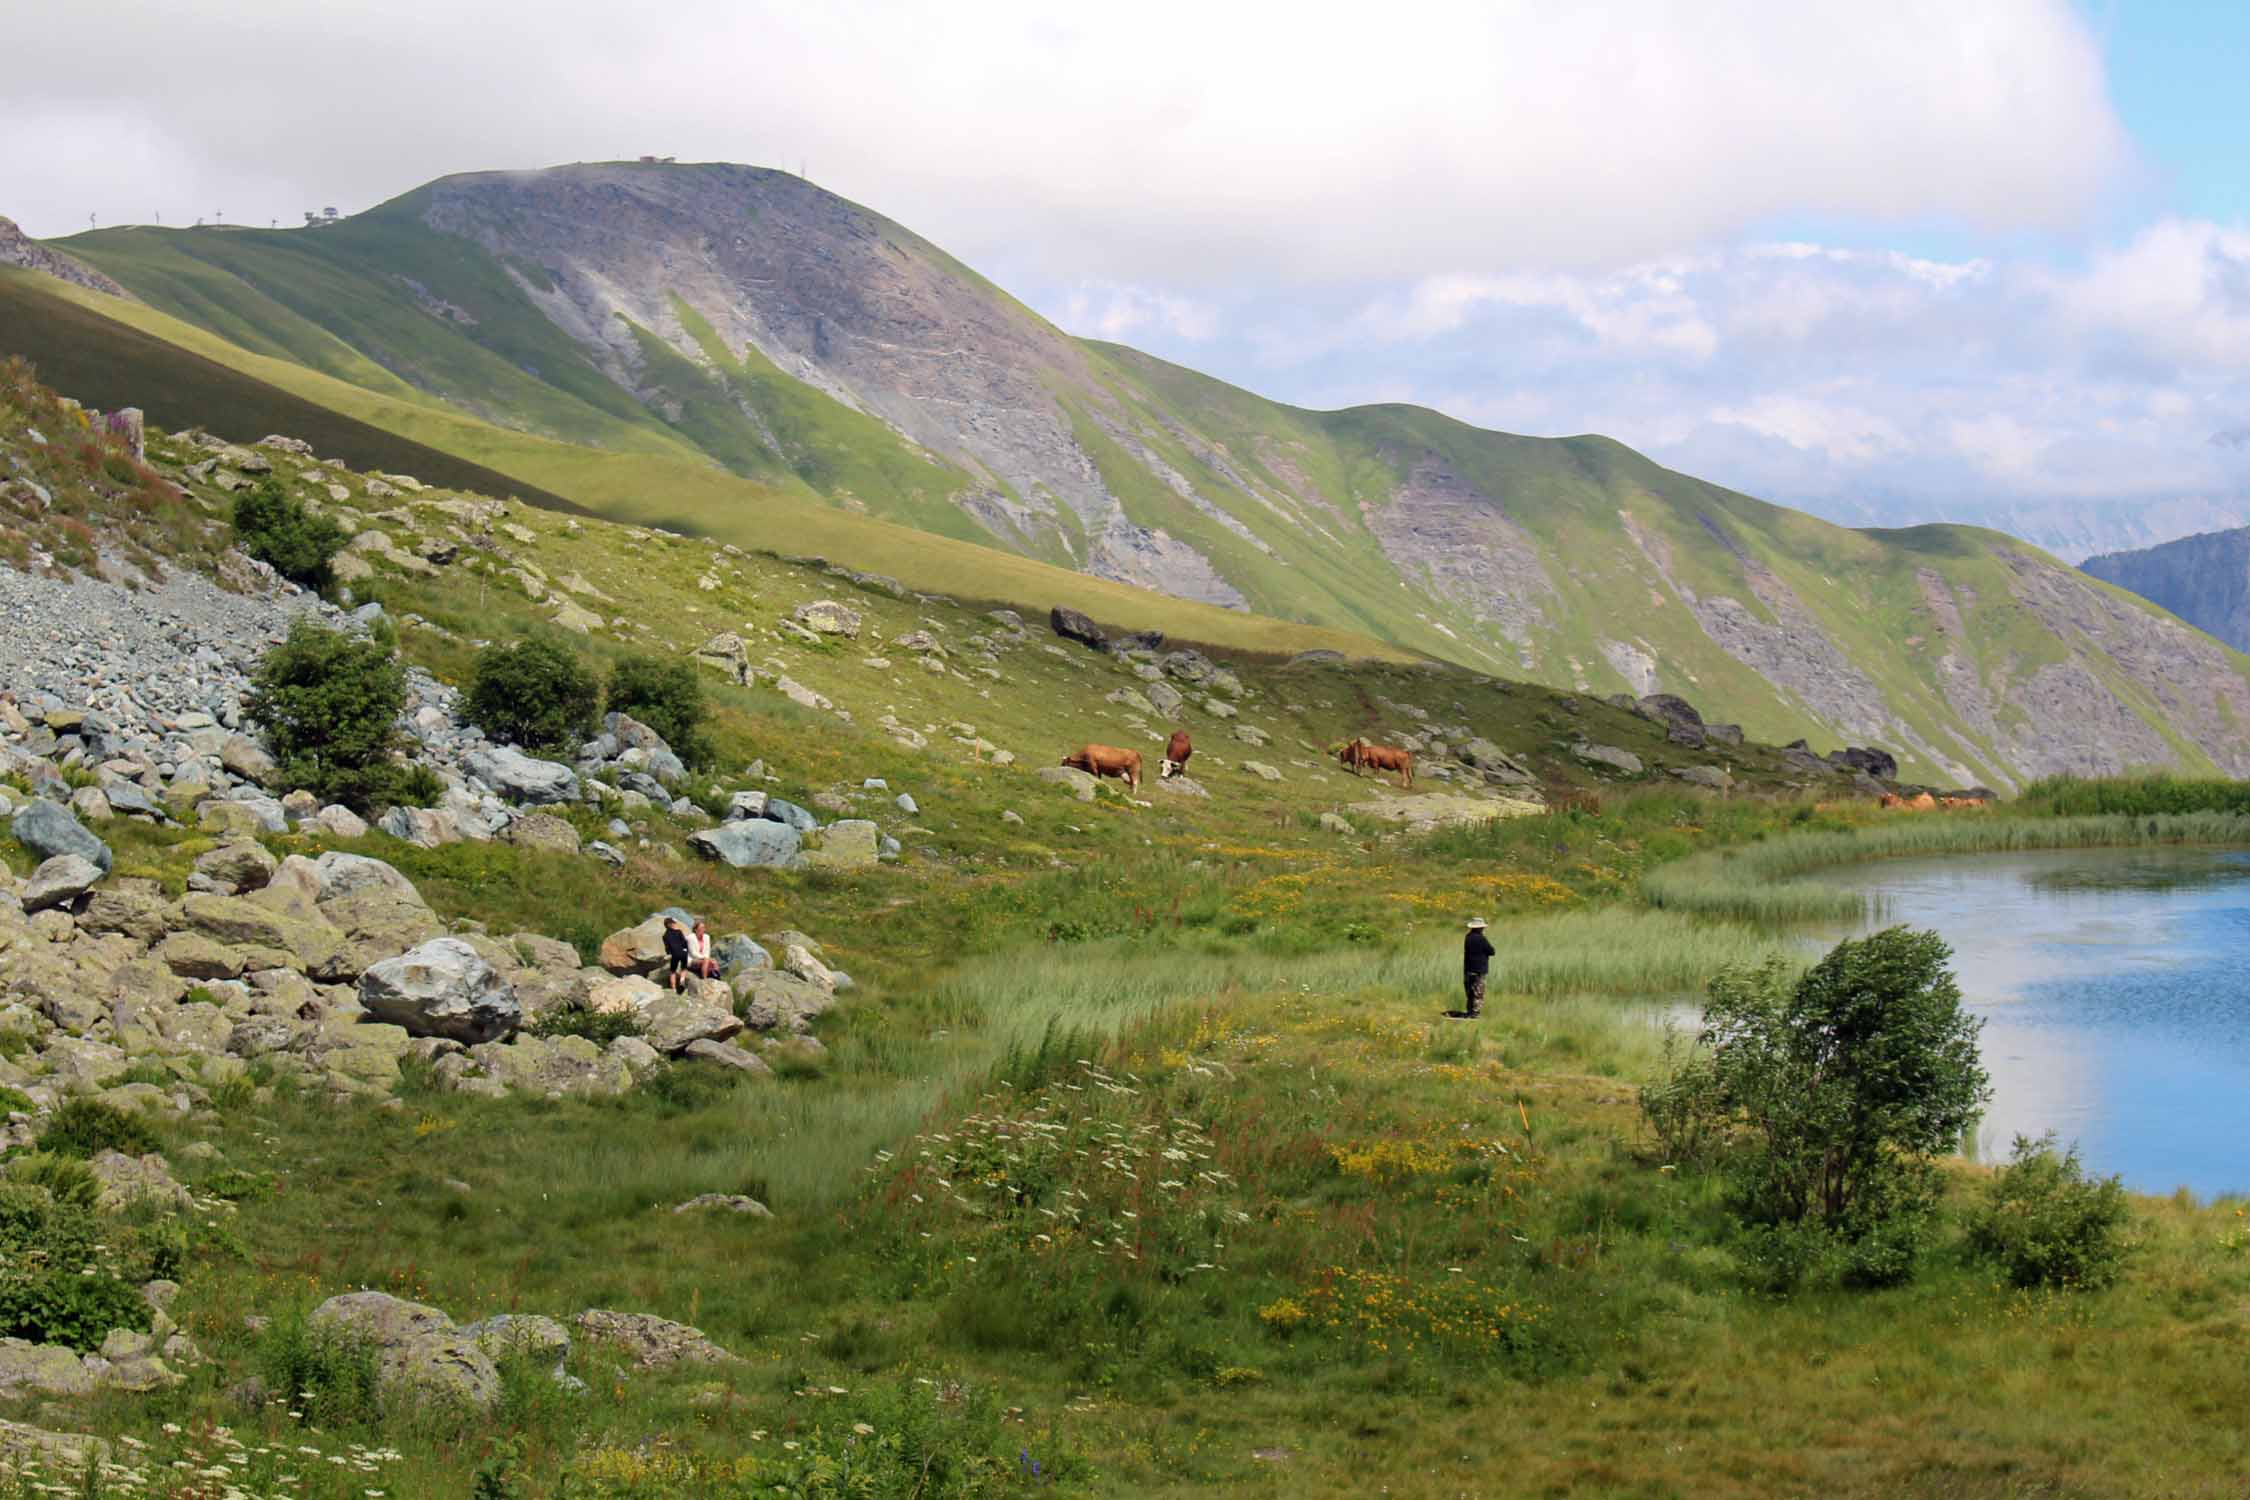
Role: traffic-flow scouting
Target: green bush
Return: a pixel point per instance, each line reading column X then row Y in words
column 88, row 1127
column 532, row 693
column 67, row 1277
column 328, row 704
column 667, row 696
column 2046, row 1223
column 65, row 1179
column 1826, row 1099
column 600, row 1027
column 274, row 527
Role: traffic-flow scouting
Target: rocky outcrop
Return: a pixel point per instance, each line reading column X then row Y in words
column 19, row 249
column 444, row 988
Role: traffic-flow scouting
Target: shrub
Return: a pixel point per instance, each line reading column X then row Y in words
column 65, row 1277
column 2046, row 1223
column 275, row 528
column 1685, row 1109
column 600, row 1027
column 667, row 696
column 328, row 704
column 532, row 693
column 65, row 1179
column 88, row 1127
column 1826, row 1098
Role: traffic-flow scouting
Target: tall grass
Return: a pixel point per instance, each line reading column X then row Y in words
column 2135, row 796
column 1756, row 883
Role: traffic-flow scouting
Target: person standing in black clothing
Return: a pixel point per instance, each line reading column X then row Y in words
column 675, row 954
column 1476, row 962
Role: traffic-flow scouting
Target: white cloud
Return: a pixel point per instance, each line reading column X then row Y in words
column 1179, row 144
column 1840, row 431
column 2178, row 292
column 1114, row 312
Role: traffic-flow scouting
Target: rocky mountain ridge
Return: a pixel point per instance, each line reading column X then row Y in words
column 809, row 345
column 2204, row 579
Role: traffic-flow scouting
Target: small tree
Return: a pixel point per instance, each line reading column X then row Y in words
column 2047, row 1223
column 533, row 693
column 275, row 528
column 328, row 704
column 667, row 696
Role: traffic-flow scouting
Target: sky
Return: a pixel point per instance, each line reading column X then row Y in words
column 1895, row 263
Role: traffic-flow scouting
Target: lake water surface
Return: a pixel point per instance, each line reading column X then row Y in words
column 2115, row 989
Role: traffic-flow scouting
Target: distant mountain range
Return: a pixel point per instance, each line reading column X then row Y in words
column 2072, row 530
column 2205, row 580
column 735, row 351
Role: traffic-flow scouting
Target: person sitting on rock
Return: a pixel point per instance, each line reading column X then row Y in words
column 675, row 953
column 700, row 962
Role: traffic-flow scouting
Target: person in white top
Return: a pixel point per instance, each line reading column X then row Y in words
column 700, row 961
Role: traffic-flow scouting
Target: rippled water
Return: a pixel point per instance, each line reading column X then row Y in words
column 2115, row 987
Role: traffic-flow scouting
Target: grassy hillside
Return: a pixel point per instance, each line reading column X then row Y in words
column 1139, row 1161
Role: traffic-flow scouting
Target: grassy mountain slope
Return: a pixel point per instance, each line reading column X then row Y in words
column 736, row 352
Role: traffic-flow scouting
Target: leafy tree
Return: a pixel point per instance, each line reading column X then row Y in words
column 328, row 703
column 532, row 693
column 667, row 696
column 274, row 527
column 1827, row 1098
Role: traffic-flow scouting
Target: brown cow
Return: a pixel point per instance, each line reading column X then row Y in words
column 1379, row 758
column 1176, row 754
column 1107, row 760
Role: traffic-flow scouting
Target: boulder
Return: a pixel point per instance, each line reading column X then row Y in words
column 415, row 1345
column 1497, row 764
column 1879, row 764
column 1704, row 776
column 245, row 758
column 341, row 874
column 424, row 827
column 59, row 882
column 338, row 822
column 781, row 810
column 442, row 988
column 727, row 654
column 625, row 993
column 28, row 1369
column 652, row 1343
column 727, row 1055
column 1261, row 770
column 727, row 1203
column 1080, row 784
column 773, row 1001
column 243, row 864
column 827, row 617
column 676, row 1022
column 238, row 922
column 541, row 831
column 127, row 1180
column 747, row 804
column 520, row 777
column 852, row 844
column 243, row 817
column 1608, row 755
column 635, row 950
column 91, row 805
column 749, row 843
column 1335, row 823
column 1668, row 709
column 48, row 830
column 1073, row 626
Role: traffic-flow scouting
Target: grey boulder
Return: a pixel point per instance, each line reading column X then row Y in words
column 522, row 778
column 59, row 882
column 442, row 988
column 752, row 842
column 47, row 830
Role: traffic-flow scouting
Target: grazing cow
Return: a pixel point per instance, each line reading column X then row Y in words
column 1107, row 760
column 1176, row 754
column 1359, row 755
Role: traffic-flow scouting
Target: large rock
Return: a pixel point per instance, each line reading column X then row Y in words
column 770, row 1000
column 1877, row 763
column 28, row 1369
column 782, row 810
column 128, row 1180
column 241, row 863
column 1704, row 776
column 729, row 655
column 635, row 950
column 425, row 827
column 243, row 817
column 652, row 1343
column 442, row 988
column 676, row 1022
column 239, row 922
column 1608, row 755
column 827, row 617
column 1073, row 626
column 415, row 1345
column 541, row 831
column 60, row 881
column 522, row 778
column 1497, row 764
column 247, row 759
column 1080, row 784
column 751, row 842
column 48, row 830
column 852, row 844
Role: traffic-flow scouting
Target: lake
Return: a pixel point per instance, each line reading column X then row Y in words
column 2115, row 991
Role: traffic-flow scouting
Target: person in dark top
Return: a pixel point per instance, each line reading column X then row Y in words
column 675, row 953
column 1476, row 961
